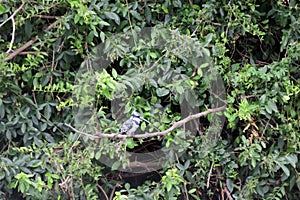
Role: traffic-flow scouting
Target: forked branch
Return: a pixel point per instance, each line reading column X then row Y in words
column 28, row 44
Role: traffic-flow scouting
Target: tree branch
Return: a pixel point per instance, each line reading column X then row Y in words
column 13, row 26
column 227, row 193
column 103, row 191
column 28, row 44
column 148, row 135
column 209, row 174
column 12, row 35
column 14, row 13
column 47, row 16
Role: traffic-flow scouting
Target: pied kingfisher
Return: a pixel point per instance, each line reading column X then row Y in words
column 130, row 125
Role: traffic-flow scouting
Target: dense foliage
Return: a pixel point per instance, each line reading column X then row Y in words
column 254, row 46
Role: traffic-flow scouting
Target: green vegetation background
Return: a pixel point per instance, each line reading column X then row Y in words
column 254, row 45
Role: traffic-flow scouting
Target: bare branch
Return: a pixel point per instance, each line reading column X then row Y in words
column 227, row 193
column 103, row 191
column 47, row 16
column 64, row 185
column 14, row 13
column 19, row 50
column 28, row 52
column 13, row 26
column 12, row 35
column 29, row 43
column 148, row 135
column 209, row 174
column 113, row 191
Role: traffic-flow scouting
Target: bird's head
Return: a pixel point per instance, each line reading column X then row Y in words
column 138, row 117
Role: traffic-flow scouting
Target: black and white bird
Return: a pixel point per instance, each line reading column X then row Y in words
column 132, row 124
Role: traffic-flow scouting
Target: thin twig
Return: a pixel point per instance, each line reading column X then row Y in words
column 34, row 98
column 28, row 52
column 227, row 193
column 113, row 191
column 185, row 190
column 194, row 32
column 12, row 35
column 209, row 174
column 266, row 126
column 292, row 77
column 47, row 16
column 64, row 185
column 154, row 64
column 102, row 190
column 5, row 146
column 120, row 145
column 248, row 57
column 129, row 20
column 148, row 135
column 210, row 22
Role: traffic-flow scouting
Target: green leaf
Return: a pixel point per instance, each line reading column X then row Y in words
column 292, row 159
column 47, row 111
column 21, row 187
column 260, row 190
column 38, row 114
column 8, row 134
column 23, row 128
column 42, row 126
column 130, row 143
column 49, row 137
column 162, row 92
column 262, row 99
column 135, row 14
column 229, row 184
column 114, row 73
column 98, row 155
column 153, row 55
column 187, row 164
column 180, row 166
column 127, row 186
column 2, row 174
column 76, row 19
column 102, row 36
column 268, row 109
column 165, row 8
column 284, row 168
column 272, row 105
column 200, row 72
column 169, row 186
column 113, row 16
column 179, row 89
column 148, row 14
column 37, row 141
column 2, row 9
column 143, row 126
column 191, row 191
column 208, row 39
column 104, row 23
column 90, row 37
column 28, row 100
column 116, row 165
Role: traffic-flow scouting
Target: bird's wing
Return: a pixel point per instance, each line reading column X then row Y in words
column 127, row 125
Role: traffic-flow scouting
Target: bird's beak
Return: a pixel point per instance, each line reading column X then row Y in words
column 145, row 120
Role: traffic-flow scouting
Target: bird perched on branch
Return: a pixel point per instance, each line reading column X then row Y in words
column 131, row 125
